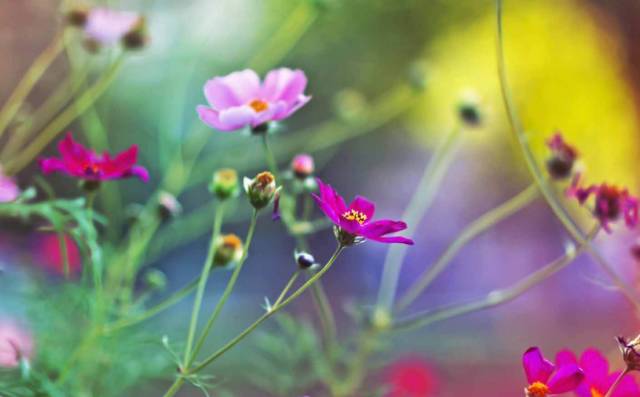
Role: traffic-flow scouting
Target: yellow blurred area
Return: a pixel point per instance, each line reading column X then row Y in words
column 566, row 72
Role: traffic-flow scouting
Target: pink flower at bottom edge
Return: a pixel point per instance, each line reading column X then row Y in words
column 410, row 377
column 15, row 343
column 50, row 256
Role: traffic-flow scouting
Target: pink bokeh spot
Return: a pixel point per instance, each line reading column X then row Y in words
column 16, row 343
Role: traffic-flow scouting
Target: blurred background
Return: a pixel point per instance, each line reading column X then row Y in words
column 386, row 77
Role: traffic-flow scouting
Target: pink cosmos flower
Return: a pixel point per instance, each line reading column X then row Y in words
column 107, row 26
column 83, row 163
column 50, row 256
column 610, row 202
column 15, row 344
column 353, row 223
column 598, row 380
column 546, row 379
column 238, row 100
column 9, row 191
column 411, row 377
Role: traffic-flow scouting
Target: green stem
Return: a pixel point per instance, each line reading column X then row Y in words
column 64, row 253
column 481, row 224
column 494, row 298
column 270, row 313
column 227, row 292
column 415, row 211
column 202, row 283
column 537, row 174
column 29, row 80
column 286, row 288
column 327, row 318
column 65, row 118
column 271, row 159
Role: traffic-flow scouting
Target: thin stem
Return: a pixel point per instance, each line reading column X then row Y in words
column 497, row 297
column 420, row 202
column 615, row 384
column 271, row 159
column 29, row 80
column 481, row 224
column 65, row 118
column 535, row 171
column 202, row 283
column 177, row 384
column 286, row 288
column 327, row 318
column 227, row 291
column 270, row 313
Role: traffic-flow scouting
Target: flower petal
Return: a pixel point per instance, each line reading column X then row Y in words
column 284, row 85
column 51, row 165
column 140, row 172
column 235, row 89
column 535, row 366
column 595, row 367
column 382, row 227
column 327, row 209
column 292, row 108
column 626, row 388
column 565, row 379
column 238, row 117
column 564, row 357
column 391, row 240
column 364, row 205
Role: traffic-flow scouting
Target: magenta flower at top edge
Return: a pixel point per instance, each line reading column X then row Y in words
column 353, row 223
column 239, row 99
column 546, row 379
column 611, row 202
column 83, row 163
column 16, row 344
column 9, row 191
column 107, row 26
column 597, row 378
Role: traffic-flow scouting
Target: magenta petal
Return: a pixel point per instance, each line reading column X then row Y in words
column 51, row 165
column 391, row 240
column 565, row 379
column 564, row 357
column 626, row 388
column 595, row 367
column 535, row 366
column 125, row 159
column 284, row 85
column 382, row 227
column 362, row 204
column 327, row 209
column 140, row 172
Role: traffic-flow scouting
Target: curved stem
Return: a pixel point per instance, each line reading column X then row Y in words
column 615, row 384
column 420, row 202
column 29, row 80
column 65, row 118
column 494, row 298
column 286, row 288
column 202, row 283
column 548, row 193
column 481, row 224
column 227, row 291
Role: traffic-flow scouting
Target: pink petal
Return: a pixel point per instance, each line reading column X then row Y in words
column 327, row 209
column 364, row 205
column 292, row 108
column 284, row 85
column 220, row 95
column 390, row 240
column 382, row 227
column 109, row 26
column 212, row 118
column 564, row 357
column 140, row 172
column 595, row 367
column 51, row 165
column 565, row 379
column 234, row 89
column 238, row 117
column 535, row 366
column 626, row 388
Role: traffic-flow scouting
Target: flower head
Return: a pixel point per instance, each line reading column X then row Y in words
column 597, row 378
column 611, row 202
column 168, row 206
column 107, row 27
column 545, row 379
column 411, row 377
column 224, row 183
column 630, row 350
column 228, row 250
column 9, row 191
column 563, row 156
column 16, row 344
column 85, row 164
column 240, row 100
column 353, row 223
column 302, row 166
column 261, row 190
column 305, row 260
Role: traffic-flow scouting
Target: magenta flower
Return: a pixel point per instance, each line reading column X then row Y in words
column 107, row 26
column 411, row 377
column 563, row 157
column 598, row 380
column 15, row 344
column 238, row 100
column 353, row 223
column 83, row 163
column 546, row 379
column 9, row 191
column 611, row 202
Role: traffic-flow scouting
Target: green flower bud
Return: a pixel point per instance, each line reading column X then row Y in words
column 228, row 250
column 155, row 279
column 224, row 183
column 261, row 189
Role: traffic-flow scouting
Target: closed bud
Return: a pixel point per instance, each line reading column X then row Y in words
column 563, row 157
column 77, row 17
column 261, row 189
column 168, row 206
column 630, row 352
column 302, row 166
column 137, row 37
column 224, row 183
column 228, row 250
column 305, row 260
column 469, row 110
column 155, row 279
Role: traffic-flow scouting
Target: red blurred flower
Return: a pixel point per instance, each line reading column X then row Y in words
column 410, row 377
column 50, row 256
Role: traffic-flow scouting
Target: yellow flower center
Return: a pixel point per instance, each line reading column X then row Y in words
column 595, row 393
column 538, row 389
column 259, row 105
column 353, row 215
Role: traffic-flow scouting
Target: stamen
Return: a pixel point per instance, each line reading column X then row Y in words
column 259, row 105
column 353, row 215
column 538, row 389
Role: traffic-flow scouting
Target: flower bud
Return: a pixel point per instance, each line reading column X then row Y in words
column 137, row 37
column 77, row 17
column 168, row 206
column 560, row 164
column 261, row 189
column 381, row 319
column 224, row 183
column 305, row 260
column 228, row 250
column 302, row 166
column 469, row 109
column 155, row 280
column 630, row 352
